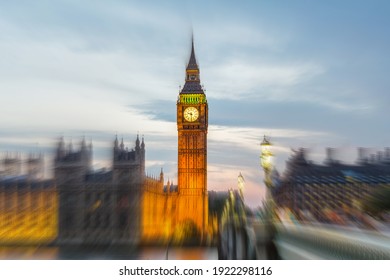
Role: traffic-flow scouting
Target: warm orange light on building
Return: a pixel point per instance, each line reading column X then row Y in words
column 28, row 213
column 192, row 125
column 177, row 213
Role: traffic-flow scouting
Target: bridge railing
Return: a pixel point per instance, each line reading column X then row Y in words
column 322, row 241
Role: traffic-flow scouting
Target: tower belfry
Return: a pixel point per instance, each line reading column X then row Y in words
column 192, row 125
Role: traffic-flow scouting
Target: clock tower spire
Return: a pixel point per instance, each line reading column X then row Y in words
column 192, row 80
column 192, row 125
column 192, row 65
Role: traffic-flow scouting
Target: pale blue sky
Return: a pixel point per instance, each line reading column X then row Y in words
column 306, row 73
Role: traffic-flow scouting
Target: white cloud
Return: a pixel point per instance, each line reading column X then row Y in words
column 238, row 34
column 238, row 79
column 242, row 136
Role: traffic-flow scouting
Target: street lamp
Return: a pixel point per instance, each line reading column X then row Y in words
column 266, row 163
column 270, row 228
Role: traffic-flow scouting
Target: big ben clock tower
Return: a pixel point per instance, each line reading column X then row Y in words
column 192, row 123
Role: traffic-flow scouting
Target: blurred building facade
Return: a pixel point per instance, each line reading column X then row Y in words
column 329, row 192
column 28, row 203
column 106, row 206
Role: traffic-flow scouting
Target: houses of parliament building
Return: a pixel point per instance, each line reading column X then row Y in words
column 118, row 206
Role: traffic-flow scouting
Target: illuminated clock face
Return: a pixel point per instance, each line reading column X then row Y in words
column 191, row 114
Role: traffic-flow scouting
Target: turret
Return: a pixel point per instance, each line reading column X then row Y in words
column 137, row 146
column 116, row 147
column 60, row 148
column 116, row 143
column 126, row 161
column 83, row 145
column 142, row 144
column 122, row 146
column 162, row 176
column 168, row 186
column 72, row 165
column 362, row 155
column 330, row 156
column 35, row 166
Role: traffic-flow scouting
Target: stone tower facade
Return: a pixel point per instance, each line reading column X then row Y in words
column 192, row 125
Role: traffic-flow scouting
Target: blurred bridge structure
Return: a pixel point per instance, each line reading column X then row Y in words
column 331, row 211
column 279, row 234
column 323, row 241
column 254, row 238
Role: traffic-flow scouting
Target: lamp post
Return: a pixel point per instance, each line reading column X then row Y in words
column 266, row 160
column 266, row 163
column 270, row 228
